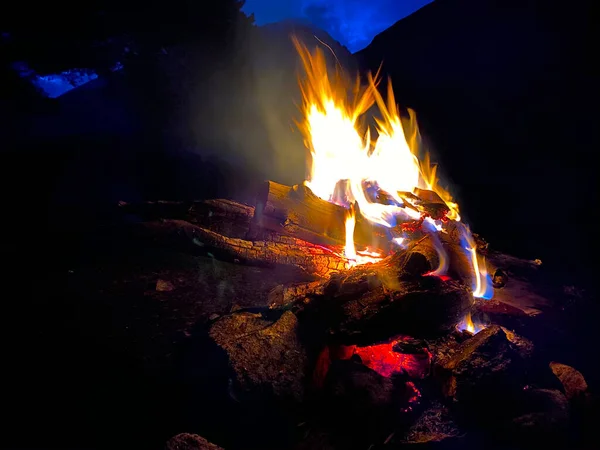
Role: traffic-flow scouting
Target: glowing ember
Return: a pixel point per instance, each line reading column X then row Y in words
column 382, row 358
column 380, row 177
column 467, row 324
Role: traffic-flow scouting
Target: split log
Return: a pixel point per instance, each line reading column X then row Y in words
column 312, row 259
column 296, row 211
column 525, row 284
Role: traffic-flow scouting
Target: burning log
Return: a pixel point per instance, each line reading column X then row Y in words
column 295, row 211
column 310, row 258
column 375, row 302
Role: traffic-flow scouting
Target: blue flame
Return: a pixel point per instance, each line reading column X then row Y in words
column 482, row 277
column 489, row 288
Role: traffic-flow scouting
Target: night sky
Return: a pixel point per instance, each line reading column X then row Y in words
column 352, row 22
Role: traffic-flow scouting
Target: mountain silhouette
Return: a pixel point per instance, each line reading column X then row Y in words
column 502, row 91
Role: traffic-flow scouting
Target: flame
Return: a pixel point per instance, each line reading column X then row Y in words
column 341, row 148
column 441, row 270
column 356, row 257
column 482, row 287
column 467, row 324
column 346, row 164
column 349, row 249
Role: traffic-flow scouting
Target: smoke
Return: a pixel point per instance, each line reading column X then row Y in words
column 244, row 112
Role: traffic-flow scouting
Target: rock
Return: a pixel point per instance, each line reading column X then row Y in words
column 361, row 389
column 484, row 371
column 434, row 425
column 188, row 441
column 572, row 380
column 265, row 355
column 316, row 440
column 546, row 419
column 164, row 286
column 362, row 403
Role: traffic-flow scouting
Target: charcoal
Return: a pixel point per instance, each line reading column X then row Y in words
column 485, row 371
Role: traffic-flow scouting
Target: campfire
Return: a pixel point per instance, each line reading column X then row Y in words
column 391, row 281
column 383, row 179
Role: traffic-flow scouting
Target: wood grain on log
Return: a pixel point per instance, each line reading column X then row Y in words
column 527, row 287
column 310, row 258
column 296, row 211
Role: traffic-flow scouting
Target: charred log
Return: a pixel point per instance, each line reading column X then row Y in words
column 309, row 258
column 485, row 371
column 284, row 295
column 219, row 215
column 297, row 212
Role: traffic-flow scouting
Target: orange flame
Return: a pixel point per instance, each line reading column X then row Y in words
column 341, row 150
column 341, row 147
column 467, row 324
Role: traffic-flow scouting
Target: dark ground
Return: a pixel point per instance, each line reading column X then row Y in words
column 90, row 346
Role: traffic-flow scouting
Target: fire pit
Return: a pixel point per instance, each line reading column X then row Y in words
column 394, row 327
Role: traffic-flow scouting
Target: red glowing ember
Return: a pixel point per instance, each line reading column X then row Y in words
column 386, row 358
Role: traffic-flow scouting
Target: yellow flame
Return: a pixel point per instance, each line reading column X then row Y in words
column 350, row 250
column 341, row 148
column 467, row 324
column 356, row 257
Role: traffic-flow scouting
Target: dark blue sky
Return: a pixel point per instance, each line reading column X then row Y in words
column 352, row 22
